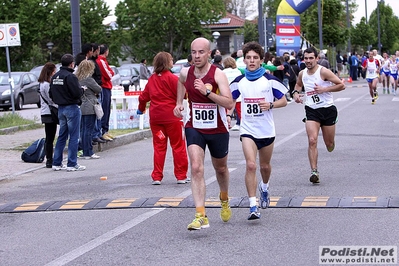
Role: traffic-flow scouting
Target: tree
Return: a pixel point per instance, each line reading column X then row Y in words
column 334, row 26
column 41, row 21
column 155, row 25
column 389, row 27
column 362, row 35
column 250, row 32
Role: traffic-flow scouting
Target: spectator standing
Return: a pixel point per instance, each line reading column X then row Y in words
column 339, row 59
column 189, row 61
column 89, row 99
column 231, row 71
column 294, row 72
column 208, row 97
column 97, row 135
column 354, row 63
column 323, row 61
column 106, row 75
column 144, row 73
column 217, row 61
column 66, row 92
column 161, row 90
column 50, row 126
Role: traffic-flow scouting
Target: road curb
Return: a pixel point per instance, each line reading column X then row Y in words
column 123, row 140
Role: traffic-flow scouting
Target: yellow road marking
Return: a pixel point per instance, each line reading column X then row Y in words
column 119, row 203
column 29, row 206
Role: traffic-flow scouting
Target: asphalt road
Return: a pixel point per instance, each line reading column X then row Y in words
column 363, row 167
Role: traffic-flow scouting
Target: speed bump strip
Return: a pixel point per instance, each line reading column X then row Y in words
column 121, row 203
column 177, row 202
column 74, row 204
column 168, row 202
column 364, row 202
column 30, row 206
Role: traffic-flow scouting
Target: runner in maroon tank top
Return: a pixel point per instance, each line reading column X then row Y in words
column 209, row 96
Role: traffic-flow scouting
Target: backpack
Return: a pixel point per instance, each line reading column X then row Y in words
column 35, row 152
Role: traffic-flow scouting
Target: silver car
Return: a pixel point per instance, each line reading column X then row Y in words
column 25, row 91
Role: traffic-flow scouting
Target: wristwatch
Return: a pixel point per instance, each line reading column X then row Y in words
column 208, row 91
column 271, row 105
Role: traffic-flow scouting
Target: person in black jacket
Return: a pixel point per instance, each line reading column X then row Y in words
column 66, row 92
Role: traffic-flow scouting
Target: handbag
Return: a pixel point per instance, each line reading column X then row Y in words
column 53, row 111
column 98, row 110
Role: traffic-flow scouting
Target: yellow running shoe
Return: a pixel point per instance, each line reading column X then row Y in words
column 199, row 222
column 330, row 149
column 225, row 211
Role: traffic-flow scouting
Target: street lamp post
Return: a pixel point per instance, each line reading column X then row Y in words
column 50, row 46
column 379, row 29
column 216, row 35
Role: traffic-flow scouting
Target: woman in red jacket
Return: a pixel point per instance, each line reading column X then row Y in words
column 161, row 90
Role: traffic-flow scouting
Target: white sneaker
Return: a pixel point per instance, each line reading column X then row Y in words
column 235, row 128
column 59, row 167
column 94, row 156
column 76, row 168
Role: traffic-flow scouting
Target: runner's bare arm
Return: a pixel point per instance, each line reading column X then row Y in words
column 181, row 91
column 224, row 97
column 327, row 74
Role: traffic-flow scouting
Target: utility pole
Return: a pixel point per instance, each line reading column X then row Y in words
column 75, row 21
column 320, row 25
column 348, row 23
column 260, row 23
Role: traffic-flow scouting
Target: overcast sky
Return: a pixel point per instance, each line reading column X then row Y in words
column 361, row 11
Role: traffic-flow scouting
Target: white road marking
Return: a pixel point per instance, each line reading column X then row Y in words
column 79, row 251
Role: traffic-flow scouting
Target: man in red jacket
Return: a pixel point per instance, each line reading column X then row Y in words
column 106, row 75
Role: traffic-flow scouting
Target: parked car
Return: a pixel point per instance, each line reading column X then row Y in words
column 36, row 70
column 25, row 91
column 130, row 76
column 176, row 69
column 116, row 79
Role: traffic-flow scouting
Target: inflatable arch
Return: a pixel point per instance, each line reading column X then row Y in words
column 288, row 25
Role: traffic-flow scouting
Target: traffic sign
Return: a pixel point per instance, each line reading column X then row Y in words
column 14, row 38
column 9, row 35
column 3, row 39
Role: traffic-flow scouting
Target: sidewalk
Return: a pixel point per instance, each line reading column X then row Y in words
column 11, row 164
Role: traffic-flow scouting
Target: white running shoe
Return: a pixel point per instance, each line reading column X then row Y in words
column 76, row 168
column 94, row 156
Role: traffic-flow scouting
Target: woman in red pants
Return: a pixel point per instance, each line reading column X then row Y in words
column 161, row 90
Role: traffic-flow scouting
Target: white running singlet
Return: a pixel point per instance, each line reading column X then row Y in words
column 371, row 69
column 313, row 99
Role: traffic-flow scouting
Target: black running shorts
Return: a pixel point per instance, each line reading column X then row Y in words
column 218, row 144
column 326, row 116
column 260, row 143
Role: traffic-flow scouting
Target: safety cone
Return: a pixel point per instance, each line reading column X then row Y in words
column 350, row 79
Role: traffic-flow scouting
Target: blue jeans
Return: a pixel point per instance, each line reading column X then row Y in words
column 87, row 125
column 106, row 104
column 353, row 72
column 69, row 116
column 97, row 132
